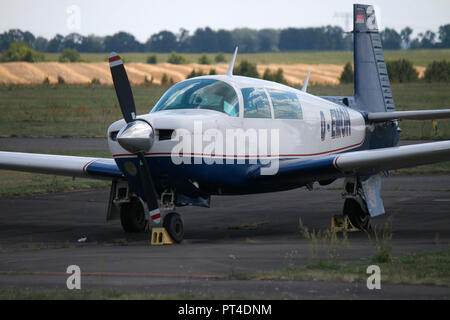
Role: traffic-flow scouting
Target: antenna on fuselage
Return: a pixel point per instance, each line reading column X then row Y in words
column 231, row 67
column 305, row 84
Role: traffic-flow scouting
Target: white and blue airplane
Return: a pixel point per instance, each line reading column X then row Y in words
column 281, row 138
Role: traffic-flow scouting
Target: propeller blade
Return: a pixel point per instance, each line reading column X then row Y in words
column 149, row 189
column 123, row 88
column 136, row 136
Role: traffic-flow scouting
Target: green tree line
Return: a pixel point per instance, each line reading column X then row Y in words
column 209, row 40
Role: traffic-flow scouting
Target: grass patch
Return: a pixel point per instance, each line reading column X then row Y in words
column 250, row 226
column 410, row 96
column 322, row 266
column 66, row 111
column 417, row 57
column 435, row 168
column 33, row 246
column 120, row 242
column 426, row 268
column 26, row 294
column 14, row 183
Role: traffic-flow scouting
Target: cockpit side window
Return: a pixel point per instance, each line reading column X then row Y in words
column 285, row 105
column 256, row 103
column 201, row 94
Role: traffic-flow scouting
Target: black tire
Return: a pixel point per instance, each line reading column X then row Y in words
column 132, row 216
column 174, row 226
column 358, row 217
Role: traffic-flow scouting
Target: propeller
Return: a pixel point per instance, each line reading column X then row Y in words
column 137, row 136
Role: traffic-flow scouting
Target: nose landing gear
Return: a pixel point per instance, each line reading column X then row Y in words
column 133, row 218
column 174, row 226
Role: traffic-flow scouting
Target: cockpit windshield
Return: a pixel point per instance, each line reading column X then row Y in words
column 200, row 94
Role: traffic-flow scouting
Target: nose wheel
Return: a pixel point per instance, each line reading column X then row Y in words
column 174, row 226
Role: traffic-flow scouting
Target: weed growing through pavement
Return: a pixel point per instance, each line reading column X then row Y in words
column 383, row 242
column 325, row 246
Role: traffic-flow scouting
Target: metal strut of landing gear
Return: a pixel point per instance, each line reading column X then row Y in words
column 172, row 221
column 173, row 229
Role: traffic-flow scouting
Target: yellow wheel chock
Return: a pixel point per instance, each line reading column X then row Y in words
column 160, row 236
column 341, row 223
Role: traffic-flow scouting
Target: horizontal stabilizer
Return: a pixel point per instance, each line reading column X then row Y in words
column 409, row 115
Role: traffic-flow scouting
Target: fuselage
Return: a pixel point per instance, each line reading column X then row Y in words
column 214, row 147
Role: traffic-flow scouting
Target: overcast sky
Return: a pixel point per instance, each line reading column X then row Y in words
column 143, row 18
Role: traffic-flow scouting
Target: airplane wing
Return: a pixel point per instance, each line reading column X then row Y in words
column 372, row 161
column 85, row 167
column 333, row 166
column 358, row 162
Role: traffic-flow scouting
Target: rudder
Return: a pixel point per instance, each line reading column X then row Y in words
column 372, row 87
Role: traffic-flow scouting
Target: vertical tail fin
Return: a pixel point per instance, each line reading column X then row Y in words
column 372, row 88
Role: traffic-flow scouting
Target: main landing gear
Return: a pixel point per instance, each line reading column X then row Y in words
column 356, row 214
column 132, row 216
column 355, row 207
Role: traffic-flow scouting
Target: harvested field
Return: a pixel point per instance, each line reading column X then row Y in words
column 23, row 73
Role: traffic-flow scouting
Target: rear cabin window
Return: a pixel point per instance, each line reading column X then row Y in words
column 285, row 105
column 256, row 103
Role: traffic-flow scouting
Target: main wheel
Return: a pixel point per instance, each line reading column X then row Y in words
column 132, row 216
column 358, row 217
column 174, row 226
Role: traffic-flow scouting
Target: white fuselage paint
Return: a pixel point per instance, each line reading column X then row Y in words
column 298, row 138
